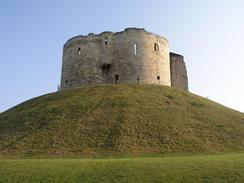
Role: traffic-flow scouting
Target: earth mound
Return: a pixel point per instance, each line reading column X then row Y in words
column 119, row 119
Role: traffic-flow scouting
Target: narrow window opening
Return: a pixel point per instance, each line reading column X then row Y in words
column 135, row 49
column 78, row 51
column 158, row 78
column 116, row 79
column 138, row 79
column 156, row 47
column 66, row 81
column 106, row 41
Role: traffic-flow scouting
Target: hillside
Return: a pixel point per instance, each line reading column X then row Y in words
column 119, row 119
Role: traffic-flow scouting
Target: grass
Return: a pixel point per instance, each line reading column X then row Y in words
column 150, row 126
column 116, row 120
column 186, row 169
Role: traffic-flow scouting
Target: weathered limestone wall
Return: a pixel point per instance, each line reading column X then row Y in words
column 178, row 72
column 110, row 58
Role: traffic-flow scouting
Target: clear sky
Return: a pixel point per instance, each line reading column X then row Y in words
column 209, row 33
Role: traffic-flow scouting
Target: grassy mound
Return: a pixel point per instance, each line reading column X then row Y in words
column 119, row 119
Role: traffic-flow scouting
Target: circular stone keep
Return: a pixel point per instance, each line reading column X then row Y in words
column 131, row 56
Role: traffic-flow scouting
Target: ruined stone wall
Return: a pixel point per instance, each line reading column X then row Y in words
column 178, row 72
column 130, row 56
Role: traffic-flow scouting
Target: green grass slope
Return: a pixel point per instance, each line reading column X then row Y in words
column 228, row 168
column 119, row 119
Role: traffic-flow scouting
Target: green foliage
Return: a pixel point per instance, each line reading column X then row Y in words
column 187, row 169
column 119, row 120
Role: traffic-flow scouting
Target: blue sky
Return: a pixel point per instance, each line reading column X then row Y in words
column 210, row 34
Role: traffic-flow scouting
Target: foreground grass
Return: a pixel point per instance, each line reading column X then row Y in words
column 197, row 168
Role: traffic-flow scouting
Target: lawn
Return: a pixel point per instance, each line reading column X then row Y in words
column 188, row 168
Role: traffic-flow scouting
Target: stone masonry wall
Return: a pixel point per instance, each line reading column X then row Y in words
column 130, row 56
column 178, row 72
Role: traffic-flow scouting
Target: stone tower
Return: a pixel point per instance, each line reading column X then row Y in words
column 178, row 72
column 131, row 56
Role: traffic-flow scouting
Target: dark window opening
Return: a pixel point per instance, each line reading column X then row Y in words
column 106, row 67
column 78, row 51
column 156, row 47
column 66, row 81
column 158, row 78
column 138, row 79
column 116, row 79
column 106, row 41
